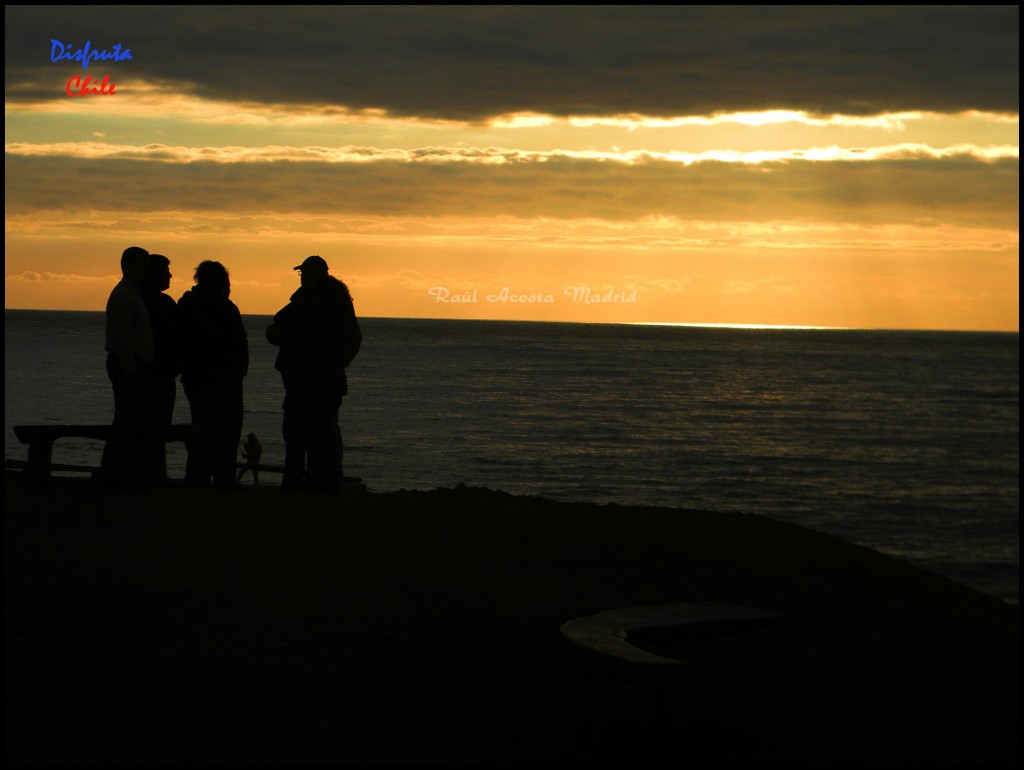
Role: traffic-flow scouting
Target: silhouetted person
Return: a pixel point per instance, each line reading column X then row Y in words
column 131, row 353
column 215, row 359
column 163, row 317
column 319, row 336
column 252, row 451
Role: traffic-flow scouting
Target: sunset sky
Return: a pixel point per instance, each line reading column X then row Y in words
column 807, row 166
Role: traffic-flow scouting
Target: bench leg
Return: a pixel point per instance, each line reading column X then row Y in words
column 40, row 455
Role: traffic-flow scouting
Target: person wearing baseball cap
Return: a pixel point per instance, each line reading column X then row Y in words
column 318, row 335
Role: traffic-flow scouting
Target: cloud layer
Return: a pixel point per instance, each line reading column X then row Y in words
column 473, row 62
column 960, row 189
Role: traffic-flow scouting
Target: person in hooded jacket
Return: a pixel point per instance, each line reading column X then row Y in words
column 319, row 336
column 214, row 362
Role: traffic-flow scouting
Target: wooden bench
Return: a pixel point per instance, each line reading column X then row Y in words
column 41, row 438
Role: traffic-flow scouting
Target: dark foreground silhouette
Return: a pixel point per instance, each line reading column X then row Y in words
column 318, row 336
column 133, row 455
column 215, row 361
column 198, row 626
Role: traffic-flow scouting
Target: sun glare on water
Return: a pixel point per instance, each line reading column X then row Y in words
column 737, row 326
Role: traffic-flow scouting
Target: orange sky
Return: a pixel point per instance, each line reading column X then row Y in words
column 664, row 212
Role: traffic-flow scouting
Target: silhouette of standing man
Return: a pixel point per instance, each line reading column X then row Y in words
column 162, row 389
column 131, row 353
column 319, row 336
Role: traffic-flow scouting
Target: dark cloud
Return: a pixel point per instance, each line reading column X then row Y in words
column 955, row 190
column 469, row 62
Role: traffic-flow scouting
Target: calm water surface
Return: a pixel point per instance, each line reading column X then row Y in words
column 907, row 442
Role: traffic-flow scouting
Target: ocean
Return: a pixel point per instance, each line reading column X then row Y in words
column 906, row 442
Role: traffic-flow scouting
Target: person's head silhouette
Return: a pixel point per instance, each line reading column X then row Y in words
column 312, row 270
column 159, row 272
column 135, row 263
column 212, row 278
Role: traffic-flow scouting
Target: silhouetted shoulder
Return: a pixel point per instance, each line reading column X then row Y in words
column 341, row 287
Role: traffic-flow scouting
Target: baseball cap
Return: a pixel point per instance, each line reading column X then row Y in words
column 313, row 264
